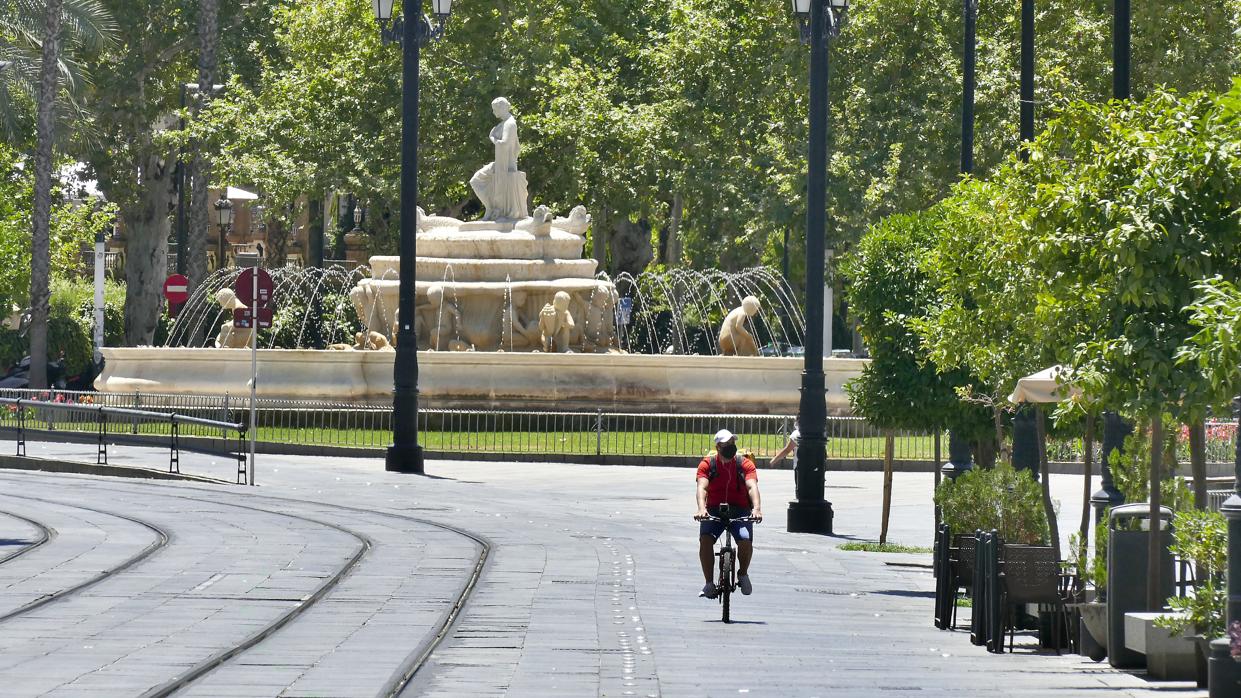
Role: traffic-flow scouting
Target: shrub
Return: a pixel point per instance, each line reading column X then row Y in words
column 1200, row 538
column 999, row 498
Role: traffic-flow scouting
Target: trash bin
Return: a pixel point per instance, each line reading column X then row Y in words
column 1127, row 554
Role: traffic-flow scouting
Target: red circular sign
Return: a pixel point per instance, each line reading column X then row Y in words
column 177, row 289
column 245, row 287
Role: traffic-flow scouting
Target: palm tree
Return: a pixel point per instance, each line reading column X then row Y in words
column 51, row 67
column 85, row 26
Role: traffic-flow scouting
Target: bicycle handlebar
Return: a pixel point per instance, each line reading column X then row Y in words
column 739, row 519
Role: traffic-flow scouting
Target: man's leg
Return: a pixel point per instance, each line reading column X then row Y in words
column 745, row 550
column 706, row 555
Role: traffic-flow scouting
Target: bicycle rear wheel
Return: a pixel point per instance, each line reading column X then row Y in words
column 726, row 580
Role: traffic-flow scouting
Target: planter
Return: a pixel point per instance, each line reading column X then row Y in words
column 1094, row 629
column 1202, row 650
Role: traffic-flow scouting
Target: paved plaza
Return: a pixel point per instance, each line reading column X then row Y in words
column 335, row 578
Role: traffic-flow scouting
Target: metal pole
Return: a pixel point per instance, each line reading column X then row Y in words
column 967, row 92
column 1121, row 25
column 1027, row 75
column 100, row 256
column 254, row 362
column 405, row 455
column 1115, row 429
column 959, row 457
column 811, row 513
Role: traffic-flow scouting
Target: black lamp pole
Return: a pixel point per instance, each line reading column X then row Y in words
column 811, row 513
column 1120, row 49
column 967, row 85
column 412, row 30
column 1027, row 75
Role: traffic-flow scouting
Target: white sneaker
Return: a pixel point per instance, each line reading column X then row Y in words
column 744, row 582
column 708, row 591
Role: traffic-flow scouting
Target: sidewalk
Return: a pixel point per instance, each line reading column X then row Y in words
column 592, row 585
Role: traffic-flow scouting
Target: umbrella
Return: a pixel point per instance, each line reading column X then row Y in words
column 1049, row 385
column 1052, row 385
column 236, row 194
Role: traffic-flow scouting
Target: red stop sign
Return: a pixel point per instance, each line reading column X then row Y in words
column 176, row 289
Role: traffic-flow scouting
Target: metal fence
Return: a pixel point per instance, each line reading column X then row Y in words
column 599, row 433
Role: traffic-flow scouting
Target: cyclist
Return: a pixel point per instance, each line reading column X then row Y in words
column 727, row 478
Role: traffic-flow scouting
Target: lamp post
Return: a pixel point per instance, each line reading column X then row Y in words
column 1223, row 672
column 1027, row 76
column 411, row 30
column 820, row 21
column 224, row 219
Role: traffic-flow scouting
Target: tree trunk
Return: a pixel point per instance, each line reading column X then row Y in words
column 889, row 441
column 1154, row 585
column 40, row 253
column 1198, row 462
column 199, row 163
column 1053, row 526
column 277, row 242
column 146, row 252
column 1087, row 466
column 674, row 231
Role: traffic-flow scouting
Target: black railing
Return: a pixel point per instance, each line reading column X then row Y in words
column 97, row 424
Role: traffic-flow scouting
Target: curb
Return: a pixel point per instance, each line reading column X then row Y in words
column 50, row 465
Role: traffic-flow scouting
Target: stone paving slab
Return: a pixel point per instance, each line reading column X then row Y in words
column 591, row 590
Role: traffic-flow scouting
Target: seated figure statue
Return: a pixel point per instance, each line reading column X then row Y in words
column 735, row 339
column 556, row 324
column 230, row 337
column 599, row 333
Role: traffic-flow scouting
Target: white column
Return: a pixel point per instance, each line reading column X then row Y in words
column 827, row 321
column 99, row 262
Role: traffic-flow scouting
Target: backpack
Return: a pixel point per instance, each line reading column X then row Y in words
column 713, row 469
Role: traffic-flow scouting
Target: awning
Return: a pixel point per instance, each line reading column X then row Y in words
column 1049, row 385
column 236, row 194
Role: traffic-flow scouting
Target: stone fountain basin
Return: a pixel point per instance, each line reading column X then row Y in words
column 486, row 380
column 515, row 270
column 483, row 244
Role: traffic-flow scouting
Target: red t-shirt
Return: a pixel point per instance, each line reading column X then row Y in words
column 726, row 487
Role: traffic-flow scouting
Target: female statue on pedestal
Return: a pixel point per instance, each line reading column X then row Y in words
column 500, row 185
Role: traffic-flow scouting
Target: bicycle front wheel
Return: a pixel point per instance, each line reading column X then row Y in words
column 726, row 581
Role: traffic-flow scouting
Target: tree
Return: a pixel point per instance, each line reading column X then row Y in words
column 86, row 27
column 40, row 279
column 199, row 162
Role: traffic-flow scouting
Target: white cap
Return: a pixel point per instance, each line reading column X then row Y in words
column 724, row 436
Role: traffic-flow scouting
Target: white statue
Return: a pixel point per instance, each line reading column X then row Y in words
column 600, row 330
column 446, row 322
column 500, row 185
column 515, row 332
column 556, row 324
column 735, row 339
column 231, row 337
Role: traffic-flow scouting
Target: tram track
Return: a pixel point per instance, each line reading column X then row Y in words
column 401, row 678
column 161, row 540
column 46, row 534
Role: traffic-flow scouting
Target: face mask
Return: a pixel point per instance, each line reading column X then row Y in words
column 728, row 450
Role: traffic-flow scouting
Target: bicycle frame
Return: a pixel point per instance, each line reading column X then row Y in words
column 726, row 582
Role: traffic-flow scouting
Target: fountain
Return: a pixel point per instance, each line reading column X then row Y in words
column 507, row 315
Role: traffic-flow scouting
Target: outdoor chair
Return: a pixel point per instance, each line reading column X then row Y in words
column 961, row 565
column 1031, row 575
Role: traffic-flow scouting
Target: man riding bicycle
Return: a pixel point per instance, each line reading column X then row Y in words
column 726, row 478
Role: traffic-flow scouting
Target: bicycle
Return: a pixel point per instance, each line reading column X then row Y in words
column 727, row 581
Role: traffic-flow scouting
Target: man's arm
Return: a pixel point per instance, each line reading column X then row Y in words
column 756, row 500
column 702, row 498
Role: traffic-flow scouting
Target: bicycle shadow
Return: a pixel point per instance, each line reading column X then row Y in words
column 738, row 622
